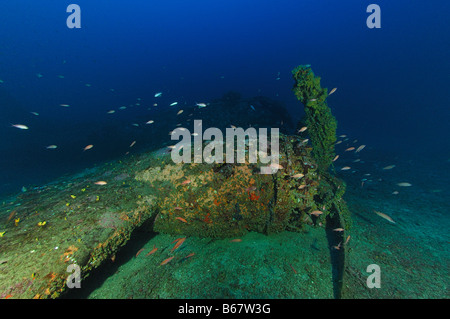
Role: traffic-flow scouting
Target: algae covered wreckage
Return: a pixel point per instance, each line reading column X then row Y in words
column 78, row 221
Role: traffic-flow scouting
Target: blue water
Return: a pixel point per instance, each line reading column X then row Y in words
column 393, row 83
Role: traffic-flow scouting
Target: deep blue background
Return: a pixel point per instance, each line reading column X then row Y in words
column 393, row 83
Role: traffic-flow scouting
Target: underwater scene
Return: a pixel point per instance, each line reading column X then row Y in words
column 224, row 150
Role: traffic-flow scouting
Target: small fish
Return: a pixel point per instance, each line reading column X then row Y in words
column 395, row 193
column 173, row 104
column 276, row 166
column 35, row 113
column 100, row 183
column 293, row 269
column 313, row 100
column 165, row 261
column 332, row 91
column 150, row 122
column 179, row 112
column 389, row 167
column 345, row 168
column 253, row 108
column 135, row 124
column 384, row 216
column 316, row 213
column 64, row 105
column 304, row 128
column 51, row 147
column 176, row 240
column 177, row 208
column 349, row 149
column 188, row 181
column 181, row 219
column 200, row 105
column 404, row 184
column 338, row 246
column 132, row 144
column 152, row 251
column 158, row 94
column 334, row 159
column 140, row 251
column 111, row 112
column 346, row 241
column 359, row 149
column 179, row 243
column 190, row 255
column 299, row 175
column 343, row 136
column 338, row 229
column 88, row 147
column 237, row 240
column 20, row 126
column 122, row 108
column 338, row 142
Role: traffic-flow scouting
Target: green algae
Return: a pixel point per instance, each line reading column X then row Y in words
column 320, row 122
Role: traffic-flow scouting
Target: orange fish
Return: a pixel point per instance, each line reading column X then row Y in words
column 140, row 251
column 88, row 147
column 152, row 251
column 165, row 261
column 190, row 255
column 179, row 243
column 186, row 182
column 11, row 215
column 349, row 149
column 237, row 240
column 176, row 240
column 346, row 241
column 293, row 269
column 181, row 219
